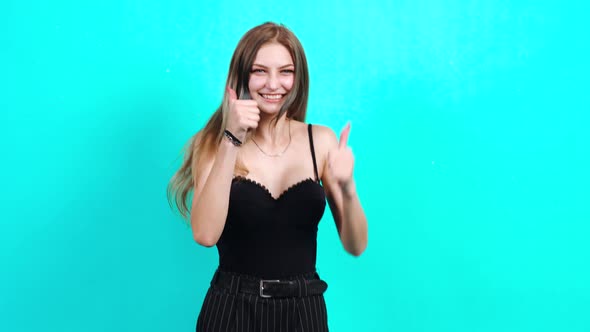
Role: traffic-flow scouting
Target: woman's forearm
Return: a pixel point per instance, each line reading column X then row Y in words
column 353, row 230
column 209, row 208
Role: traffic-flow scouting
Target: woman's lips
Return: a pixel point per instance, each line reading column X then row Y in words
column 272, row 98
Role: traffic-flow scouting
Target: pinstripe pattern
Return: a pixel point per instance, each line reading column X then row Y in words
column 226, row 311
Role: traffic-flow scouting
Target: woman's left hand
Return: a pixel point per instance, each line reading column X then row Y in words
column 341, row 161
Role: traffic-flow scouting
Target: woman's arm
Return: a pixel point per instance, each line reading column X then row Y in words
column 211, row 195
column 343, row 199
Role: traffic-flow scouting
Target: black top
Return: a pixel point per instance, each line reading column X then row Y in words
column 268, row 237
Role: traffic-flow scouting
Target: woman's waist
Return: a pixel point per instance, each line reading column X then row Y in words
column 268, row 269
column 295, row 285
column 257, row 275
column 264, row 259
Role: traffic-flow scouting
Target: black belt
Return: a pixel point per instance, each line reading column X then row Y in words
column 265, row 288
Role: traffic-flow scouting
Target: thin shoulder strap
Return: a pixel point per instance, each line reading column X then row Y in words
column 315, row 165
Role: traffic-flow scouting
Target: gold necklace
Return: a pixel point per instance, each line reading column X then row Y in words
column 278, row 154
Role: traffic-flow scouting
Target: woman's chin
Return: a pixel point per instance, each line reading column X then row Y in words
column 270, row 109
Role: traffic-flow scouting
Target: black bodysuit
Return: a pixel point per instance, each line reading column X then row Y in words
column 272, row 238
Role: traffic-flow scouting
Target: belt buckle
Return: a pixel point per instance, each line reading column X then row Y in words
column 262, row 281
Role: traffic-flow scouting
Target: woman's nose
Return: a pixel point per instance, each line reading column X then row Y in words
column 273, row 81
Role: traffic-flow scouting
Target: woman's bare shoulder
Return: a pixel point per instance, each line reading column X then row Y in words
column 319, row 132
column 324, row 137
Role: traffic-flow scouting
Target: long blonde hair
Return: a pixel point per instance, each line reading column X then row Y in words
column 204, row 143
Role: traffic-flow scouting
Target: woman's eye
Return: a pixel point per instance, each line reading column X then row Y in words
column 258, row 70
column 288, row 71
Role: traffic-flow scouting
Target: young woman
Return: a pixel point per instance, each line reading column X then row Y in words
column 260, row 178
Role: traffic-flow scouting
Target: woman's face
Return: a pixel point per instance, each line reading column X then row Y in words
column 271, row 77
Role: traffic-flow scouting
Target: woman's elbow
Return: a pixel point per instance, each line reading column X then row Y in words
column 206, row 239
column 356, row 251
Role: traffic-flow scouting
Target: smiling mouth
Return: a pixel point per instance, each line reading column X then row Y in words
column 273, row 97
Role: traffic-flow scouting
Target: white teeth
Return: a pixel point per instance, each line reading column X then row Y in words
column 276, row 97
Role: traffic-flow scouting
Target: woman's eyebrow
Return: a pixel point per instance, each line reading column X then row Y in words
column 263, row 66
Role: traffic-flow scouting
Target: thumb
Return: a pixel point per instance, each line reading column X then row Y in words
column 344, row 136
column 232, row 94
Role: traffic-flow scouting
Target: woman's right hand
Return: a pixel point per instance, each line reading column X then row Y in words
column 243, row 115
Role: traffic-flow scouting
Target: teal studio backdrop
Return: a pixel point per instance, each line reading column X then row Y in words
column 469, row 128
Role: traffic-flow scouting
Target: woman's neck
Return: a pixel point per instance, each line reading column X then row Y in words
column 270, row 133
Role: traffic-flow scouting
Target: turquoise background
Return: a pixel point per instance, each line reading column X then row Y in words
column 469, row 127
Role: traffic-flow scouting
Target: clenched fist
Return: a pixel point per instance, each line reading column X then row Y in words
column 243, row 115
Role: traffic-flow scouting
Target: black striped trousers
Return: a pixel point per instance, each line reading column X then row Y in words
column 228, row 310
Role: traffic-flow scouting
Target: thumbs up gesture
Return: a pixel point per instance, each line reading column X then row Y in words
column 244, row 114
column 341, row 160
